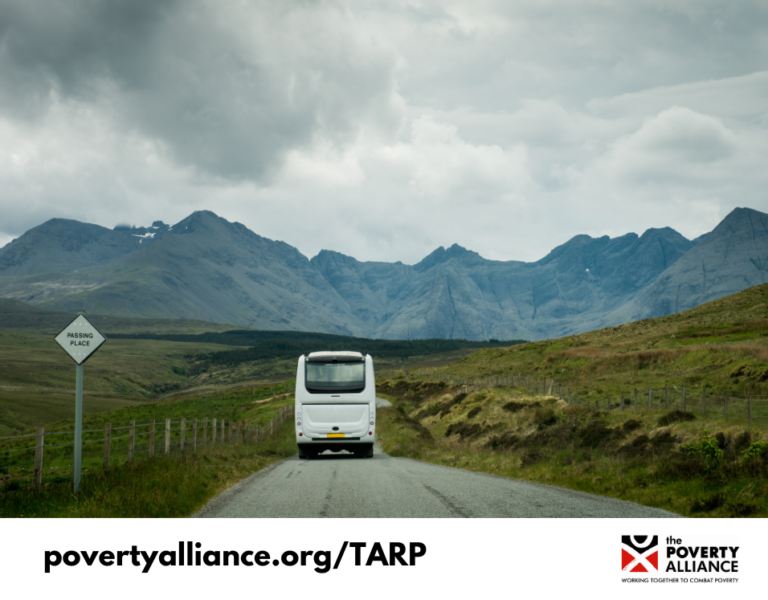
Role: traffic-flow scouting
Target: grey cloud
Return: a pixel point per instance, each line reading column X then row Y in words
column 71, row 46
column 738, row 98
column 228, row 88
column 680, row 134
column 548, row 119
column 499, row 52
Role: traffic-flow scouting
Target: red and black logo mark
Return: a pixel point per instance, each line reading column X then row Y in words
column 639, row 553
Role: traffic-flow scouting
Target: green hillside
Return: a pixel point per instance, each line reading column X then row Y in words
column 147, row 359
column 692, row 462
column 722, row 345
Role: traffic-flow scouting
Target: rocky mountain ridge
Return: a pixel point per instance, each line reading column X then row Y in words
column 207, row 268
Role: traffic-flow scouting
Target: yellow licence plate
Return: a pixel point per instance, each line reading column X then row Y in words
column 335, row 435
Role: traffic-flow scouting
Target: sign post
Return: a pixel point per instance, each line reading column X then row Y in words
column 79, row 339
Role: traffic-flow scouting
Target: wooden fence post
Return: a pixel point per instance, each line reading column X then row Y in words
column 183, row 433
column 107, row 444
column 205, row 431
column 151, row 451
column 39, row 445
column 194, row 435
column 213, row 431
column 167, row 436
column 131, row 439
column 223, row 431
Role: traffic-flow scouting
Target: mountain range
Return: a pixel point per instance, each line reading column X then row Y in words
column 207, row 268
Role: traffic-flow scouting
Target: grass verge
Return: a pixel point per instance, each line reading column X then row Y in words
column 691, row 466
column 165, row 486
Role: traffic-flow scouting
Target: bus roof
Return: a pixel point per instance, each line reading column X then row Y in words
column 338, row 356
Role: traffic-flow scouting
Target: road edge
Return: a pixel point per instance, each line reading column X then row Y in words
column 217, row 502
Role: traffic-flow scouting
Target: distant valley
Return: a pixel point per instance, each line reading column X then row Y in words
column 209, row 269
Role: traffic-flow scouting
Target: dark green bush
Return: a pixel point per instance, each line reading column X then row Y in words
column 675, row 416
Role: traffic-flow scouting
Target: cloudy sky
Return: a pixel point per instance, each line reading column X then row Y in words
column 383, row 129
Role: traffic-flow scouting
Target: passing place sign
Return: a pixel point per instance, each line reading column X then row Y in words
column 80, row 339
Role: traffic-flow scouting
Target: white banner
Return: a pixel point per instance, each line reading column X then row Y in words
column 385, row 558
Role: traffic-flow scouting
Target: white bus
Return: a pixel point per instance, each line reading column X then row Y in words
column 335, row 404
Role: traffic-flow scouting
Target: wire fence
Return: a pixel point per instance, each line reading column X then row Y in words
column 697, row 400
column 49, row 458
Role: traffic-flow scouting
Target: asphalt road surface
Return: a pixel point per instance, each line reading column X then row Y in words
column 340, row 485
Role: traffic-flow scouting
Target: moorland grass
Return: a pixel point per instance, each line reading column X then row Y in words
column 165, row 486
column 37, row 379
column 691, row 465
column 253, row 407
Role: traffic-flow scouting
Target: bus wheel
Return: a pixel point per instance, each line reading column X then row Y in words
column 369, row 454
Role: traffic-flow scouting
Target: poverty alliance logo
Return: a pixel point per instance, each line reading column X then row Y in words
column 639, row 553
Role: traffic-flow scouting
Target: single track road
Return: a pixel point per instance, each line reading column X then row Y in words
column 340, row 485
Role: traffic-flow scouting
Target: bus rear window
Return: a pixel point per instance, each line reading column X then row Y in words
column 335, row 377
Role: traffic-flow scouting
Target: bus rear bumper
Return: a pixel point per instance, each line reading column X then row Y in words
column 315, row 447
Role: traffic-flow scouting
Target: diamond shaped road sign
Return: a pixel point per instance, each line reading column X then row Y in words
column 80, row 339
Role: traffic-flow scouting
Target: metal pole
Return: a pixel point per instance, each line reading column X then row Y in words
column 78, row 427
